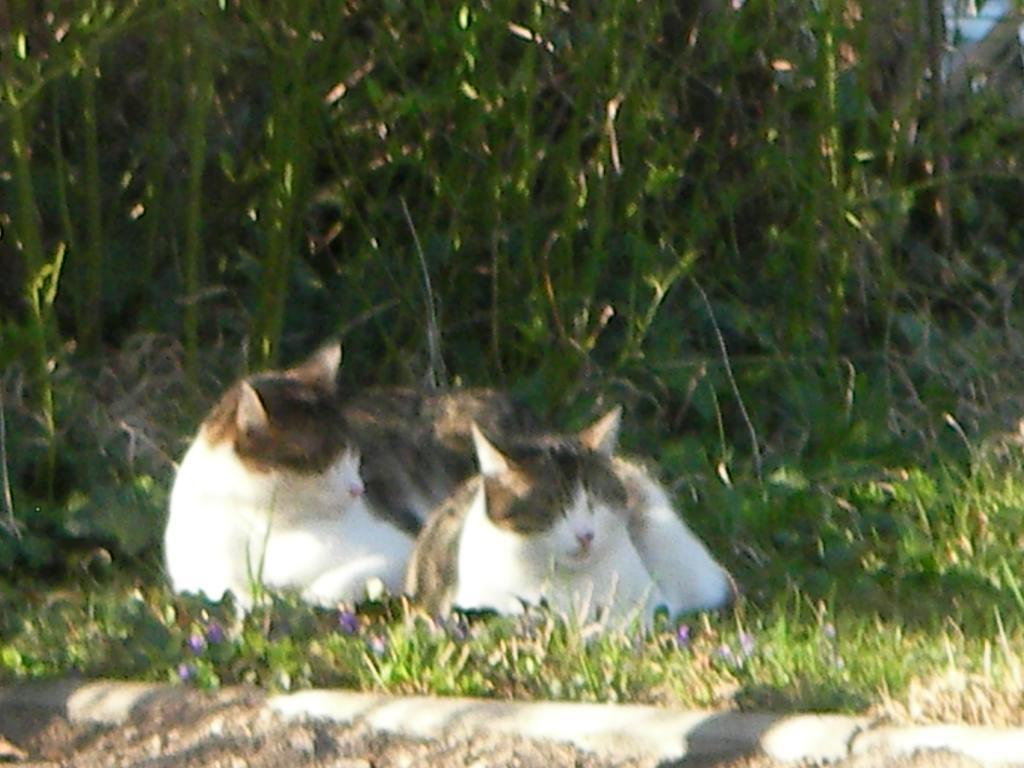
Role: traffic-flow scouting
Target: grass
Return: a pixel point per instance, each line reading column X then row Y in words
column 756, row 231
column 895, row 593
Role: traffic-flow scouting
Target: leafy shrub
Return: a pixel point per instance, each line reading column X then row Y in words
column 756, row 223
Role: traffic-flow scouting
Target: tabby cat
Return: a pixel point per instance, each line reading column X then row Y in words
column 562, row 521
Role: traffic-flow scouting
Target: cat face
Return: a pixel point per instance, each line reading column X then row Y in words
column 288, row 421
column 584, row 530
column 559, row 491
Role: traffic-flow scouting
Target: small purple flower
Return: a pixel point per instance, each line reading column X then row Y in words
column 348, row 622
column 829, row 630
column 683, row 635
column 214, row 633
column 196, row 643
column 186, row 672
column 377, row 645
column 747, row 644
column 724, row 652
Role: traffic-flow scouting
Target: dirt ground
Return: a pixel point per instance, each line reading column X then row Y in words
column 231, row 730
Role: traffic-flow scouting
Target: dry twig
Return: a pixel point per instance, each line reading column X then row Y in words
column 438, row 373
column 754, row 445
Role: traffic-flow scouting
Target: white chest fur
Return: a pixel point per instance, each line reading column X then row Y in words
column 497, row 569
column 231, row 528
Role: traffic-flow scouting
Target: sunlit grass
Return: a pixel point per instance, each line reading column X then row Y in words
column 769, row 660
column 943, row 646
column 732, row 230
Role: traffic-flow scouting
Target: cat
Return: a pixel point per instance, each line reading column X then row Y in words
column 269, row 494
column 562, row 521
column 292, row 484
column 416, row 445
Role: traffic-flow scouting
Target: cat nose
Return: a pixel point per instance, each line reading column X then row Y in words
column 586, row 538
column 356, row 489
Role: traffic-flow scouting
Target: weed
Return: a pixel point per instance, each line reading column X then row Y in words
column 766, row 231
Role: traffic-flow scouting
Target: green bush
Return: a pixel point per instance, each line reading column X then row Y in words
column 734, row 219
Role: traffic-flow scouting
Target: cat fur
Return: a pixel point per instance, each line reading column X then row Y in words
column 293, row 484
column 640, row 554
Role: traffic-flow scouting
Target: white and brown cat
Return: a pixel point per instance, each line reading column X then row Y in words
column 563, row 521
column 291, row 484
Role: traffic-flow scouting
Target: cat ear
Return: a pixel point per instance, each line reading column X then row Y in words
column 250, row 416
column 321, row 369
column 492, row 462
column 603, row 435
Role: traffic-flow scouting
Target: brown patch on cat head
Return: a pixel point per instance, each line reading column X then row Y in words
column 529, row 483
column 283, row 419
